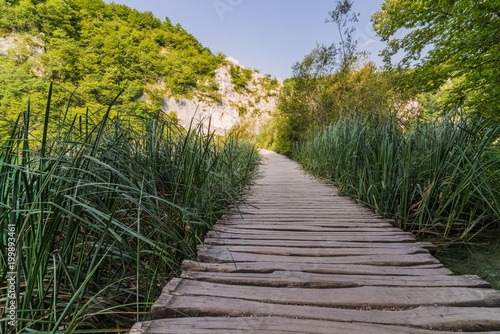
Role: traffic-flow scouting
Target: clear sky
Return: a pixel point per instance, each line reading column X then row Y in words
column 268, row 35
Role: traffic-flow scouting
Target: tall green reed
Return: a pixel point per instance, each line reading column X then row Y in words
column 104, row 211
column 439, row 178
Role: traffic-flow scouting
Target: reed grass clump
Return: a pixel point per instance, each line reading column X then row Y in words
column 438, row 177
column 104, row 210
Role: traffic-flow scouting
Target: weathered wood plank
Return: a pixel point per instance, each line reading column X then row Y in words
column 312, row 251
column 269, row 325
column 301, row 228
column 327, row 235
column 379, row 260
column 291, row 210
column 321, row 268
column 335, row 221
column 334, row 208
column 313, row 215
column 316, row 236
column 358, row 297
column 427, row 317
column 317, row 244
column 294, row 221
column 309, row 243
column 340, row 225
column 314, row 280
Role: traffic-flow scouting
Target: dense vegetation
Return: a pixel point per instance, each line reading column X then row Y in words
column 97, row 49
column 446, row 41
column 417, row 141
column 437, row 178
column 103, row 212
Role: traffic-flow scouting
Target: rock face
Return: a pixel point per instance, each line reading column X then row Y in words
column 249, row 106
column 24, row 45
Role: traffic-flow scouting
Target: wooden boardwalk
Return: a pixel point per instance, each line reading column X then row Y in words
column 301, row 259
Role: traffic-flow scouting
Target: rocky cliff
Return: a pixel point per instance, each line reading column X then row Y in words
column 246, row 105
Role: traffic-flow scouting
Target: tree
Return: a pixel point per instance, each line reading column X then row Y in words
column 331, row 81
column 336, row 61
column 443, row 40
column 347, row 48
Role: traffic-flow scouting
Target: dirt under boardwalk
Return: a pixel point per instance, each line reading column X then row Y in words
column 299, row 258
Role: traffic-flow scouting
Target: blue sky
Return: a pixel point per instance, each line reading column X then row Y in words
column 268, row 35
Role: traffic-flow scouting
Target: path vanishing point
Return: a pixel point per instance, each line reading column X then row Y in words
column 299, row 258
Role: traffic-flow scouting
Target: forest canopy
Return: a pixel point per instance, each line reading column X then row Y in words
column 454, row 41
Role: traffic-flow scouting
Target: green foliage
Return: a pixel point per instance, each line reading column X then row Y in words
column 240, row 77
column 104, row 210
column 347, row 51
column 100, row 49
column 242, row 110
column 447, row 40
column 307, row 104
column 438, row 178
column 270, row 84
column 331, row 82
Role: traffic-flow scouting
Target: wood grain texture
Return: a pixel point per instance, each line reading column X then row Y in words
column 427, row 317
column 333, row 269
column 355, row 297
column 313, row 280
column 273, row 325
column 299, row 258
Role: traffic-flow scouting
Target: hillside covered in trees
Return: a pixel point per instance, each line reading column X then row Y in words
column 99, row 48
column 95, row 50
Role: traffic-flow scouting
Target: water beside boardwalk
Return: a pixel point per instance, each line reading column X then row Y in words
column 481, row 258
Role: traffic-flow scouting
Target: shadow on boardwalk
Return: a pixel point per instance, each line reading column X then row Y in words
column 298, row 258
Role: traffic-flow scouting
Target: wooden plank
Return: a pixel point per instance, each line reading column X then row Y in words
column 331, row 207
column 359, row 297
column 314, row 280
column 341, row 225
column 269, row 325
column 326, row 235
column 313, row 251
column 378, row 260
column 276, row 221
column 322, row 203
column 311, row 244
column 313, row 215
column 260, row 228
column 289, row 210
column 318, row 244
column 333, row 233
column 329, row 213
column 315, row 236
column 320, row 268
column 327, row 205
column 301, row 201
column 426, row 317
